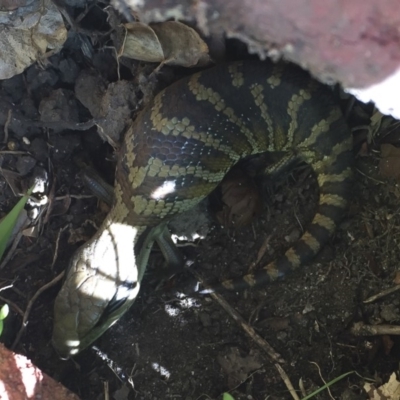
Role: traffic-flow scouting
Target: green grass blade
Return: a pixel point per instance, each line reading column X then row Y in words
column 330, row 383
column 3, row 315
column 4, row 312
column 9, row 221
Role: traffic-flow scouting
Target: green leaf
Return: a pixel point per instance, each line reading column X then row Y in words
column 227, row 396
column 8, row 222
column 1, row 327
column 4, row 312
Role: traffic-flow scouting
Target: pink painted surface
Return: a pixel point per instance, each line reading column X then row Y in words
column 354, row 42
column 21, row 380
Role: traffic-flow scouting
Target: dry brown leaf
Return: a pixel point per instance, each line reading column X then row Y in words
column 27, row 33
column 389, row 165
column 141, row 43
column 396, row 278
column 387, row 344
column 388, row 391
column 241, row 200
column 236, row 367
column 170, row 42
column 368, row 228
column 181, row 44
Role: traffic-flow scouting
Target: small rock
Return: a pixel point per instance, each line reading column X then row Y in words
column 61, row 105
column 390, row 313
column 281, row 335
column 25, row 164
column 293, row 236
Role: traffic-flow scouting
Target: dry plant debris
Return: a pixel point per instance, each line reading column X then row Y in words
column 26, row 33
column 241, row 200
column 389, row 165
column 388, row 391
column 237, row 366
column 171, row 43
column 307, row 317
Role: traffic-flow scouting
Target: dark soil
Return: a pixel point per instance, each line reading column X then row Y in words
column 172, row 344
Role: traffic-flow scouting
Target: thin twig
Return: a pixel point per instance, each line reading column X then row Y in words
column 246, row 379
column 120, row 53
column 30, row 304
column 74, row 196
column 6, row 287
column 106, row 390
column 57, row 244
column 287, row 382
column 322, row 379
column 12, row 305
column 242, row 323
column 361, row 329
column 370, row 177
column 298, row 221
column 302, row 388
column 14, row 152
column 384, row 293
column 6, row 125
column 62, row 125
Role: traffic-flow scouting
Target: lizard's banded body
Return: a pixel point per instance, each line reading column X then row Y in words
column 176, row 152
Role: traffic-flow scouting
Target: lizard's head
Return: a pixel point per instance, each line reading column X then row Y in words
column 100, row 285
